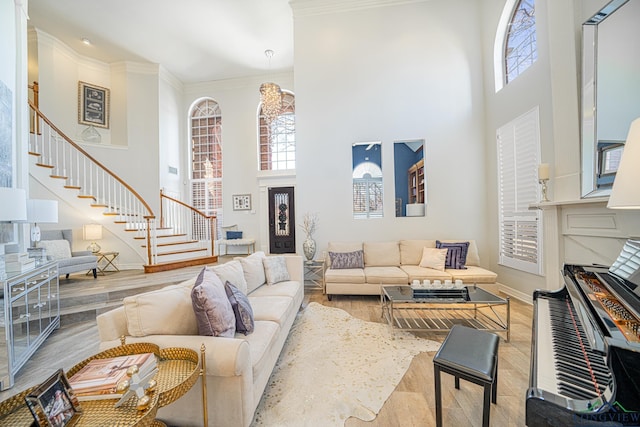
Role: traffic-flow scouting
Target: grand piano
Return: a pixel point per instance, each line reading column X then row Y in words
column 585, row 352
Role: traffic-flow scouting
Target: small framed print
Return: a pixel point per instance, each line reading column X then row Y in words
column 242, row 202
column 53, row 403
column 93, row 105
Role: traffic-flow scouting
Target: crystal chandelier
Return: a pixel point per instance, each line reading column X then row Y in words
column 270, row 96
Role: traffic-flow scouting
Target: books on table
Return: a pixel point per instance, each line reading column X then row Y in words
column 98, row 378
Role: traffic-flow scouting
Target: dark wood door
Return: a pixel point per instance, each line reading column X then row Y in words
column 282, row 222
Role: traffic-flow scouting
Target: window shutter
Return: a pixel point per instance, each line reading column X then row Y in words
column 520, row 228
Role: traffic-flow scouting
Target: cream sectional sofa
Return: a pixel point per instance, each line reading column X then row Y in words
column 396, row 262
column 238, row 368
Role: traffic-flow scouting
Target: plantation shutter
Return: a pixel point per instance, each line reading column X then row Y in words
column 520, row 228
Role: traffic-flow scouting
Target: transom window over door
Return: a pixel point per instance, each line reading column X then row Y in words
column 206, row 159
column 277, row 144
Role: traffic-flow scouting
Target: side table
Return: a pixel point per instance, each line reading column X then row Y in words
column 106, row 262
column 314, row 273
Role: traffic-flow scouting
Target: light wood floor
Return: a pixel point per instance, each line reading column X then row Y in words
column 411, row 404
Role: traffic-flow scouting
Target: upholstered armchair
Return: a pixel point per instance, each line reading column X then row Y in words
column 58, row 244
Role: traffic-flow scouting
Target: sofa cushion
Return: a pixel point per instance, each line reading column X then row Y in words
column 261, row 345
column 231, row 272
column 275, row 269
column 166, row 311
column 472, row 253
column 381, row 254
column 411, row 250
column 342, row 247
column 456, row 253
column 77, row 260
column 386, row 275
column 420, row 273
column 353, row 275
column 56, row 249
column 253, row 270
column 273, row 308
column 473, row 274
column 342, row 260
column 241, row 309
column 288, row 288
column 433, row 258
column 211, row 305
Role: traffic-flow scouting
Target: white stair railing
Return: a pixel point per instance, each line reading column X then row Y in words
column 187, row 220
column 80, row 171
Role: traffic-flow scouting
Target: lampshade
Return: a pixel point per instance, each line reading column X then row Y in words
column 13, row 205
column 42, row 211
column 92, row 232
column 625, row 193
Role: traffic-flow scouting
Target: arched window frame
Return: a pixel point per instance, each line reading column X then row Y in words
column 281, row 133
column 205, row 158
column 512, row 14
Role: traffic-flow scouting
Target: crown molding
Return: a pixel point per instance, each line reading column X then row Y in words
column 323, row 7
column 135, row 67
column 46, row 39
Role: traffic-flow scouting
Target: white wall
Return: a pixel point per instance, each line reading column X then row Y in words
column 410, row 71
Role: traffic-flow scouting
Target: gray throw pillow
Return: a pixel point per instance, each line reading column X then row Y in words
column 456, row 254
column 344, row 260
column 241, row 308
column 212, row 307
column 275, row 269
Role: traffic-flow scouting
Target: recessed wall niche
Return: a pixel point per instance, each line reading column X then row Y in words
column 409, row 178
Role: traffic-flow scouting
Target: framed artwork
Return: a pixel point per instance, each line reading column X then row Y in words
column 93, row 105
column 242, row 202
column 53, row 403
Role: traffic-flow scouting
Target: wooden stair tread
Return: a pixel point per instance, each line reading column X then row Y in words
column 42, row 165
column 58, row 177
column 186, row 251
column 165, row 266
column 182, row 242
column 163, row 235
column 73, row 187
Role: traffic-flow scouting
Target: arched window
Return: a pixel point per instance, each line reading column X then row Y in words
column 367, row 190
column 277, row 144
column 515, row 48
column 206, row 158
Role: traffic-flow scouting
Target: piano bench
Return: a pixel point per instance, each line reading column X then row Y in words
column 472, row 355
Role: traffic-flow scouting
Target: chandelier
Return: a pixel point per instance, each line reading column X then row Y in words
column 270, row 96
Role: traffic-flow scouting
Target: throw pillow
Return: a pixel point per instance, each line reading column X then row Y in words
column 232, row 235
column 212, row 307
column 231, row 272
column 434, row 258
column 456, row 254
column 56, row 249
column 241, row 309
column 275, row 269
column 253, row 270
column 343, row 260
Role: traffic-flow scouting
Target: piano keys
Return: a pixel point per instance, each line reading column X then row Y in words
column 585, row 358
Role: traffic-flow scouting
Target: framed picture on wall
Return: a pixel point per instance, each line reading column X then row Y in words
column 242, row 202
column 93, row 105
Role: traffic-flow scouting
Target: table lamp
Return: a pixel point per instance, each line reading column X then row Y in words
column 92, row 232
column 41, row 211
column 625, row 193
column 14, row 205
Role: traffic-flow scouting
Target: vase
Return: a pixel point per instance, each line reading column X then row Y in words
column 309, row 248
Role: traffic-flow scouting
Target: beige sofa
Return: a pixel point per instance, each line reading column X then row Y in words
column 396, row 262
column 237, row 368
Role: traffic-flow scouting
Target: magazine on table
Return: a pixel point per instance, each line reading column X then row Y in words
column 98, row 378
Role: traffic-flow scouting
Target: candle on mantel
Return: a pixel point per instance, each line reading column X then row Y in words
column 543, row 171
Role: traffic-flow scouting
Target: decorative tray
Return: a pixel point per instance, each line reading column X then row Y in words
column 443, row 294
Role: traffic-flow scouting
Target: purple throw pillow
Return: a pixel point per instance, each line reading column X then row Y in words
column 344, row 260
column 456, row 254
column 241, row 308
column 211, row 306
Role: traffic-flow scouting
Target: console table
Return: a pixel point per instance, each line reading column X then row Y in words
column 29, row 312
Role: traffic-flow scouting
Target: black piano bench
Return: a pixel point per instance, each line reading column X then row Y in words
column 472, row 355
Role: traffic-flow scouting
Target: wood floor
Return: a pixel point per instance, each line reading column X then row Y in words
column 411, row 404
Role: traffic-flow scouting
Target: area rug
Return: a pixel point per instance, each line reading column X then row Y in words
column 334, row 366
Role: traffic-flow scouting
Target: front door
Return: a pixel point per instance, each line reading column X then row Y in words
column 282, row 222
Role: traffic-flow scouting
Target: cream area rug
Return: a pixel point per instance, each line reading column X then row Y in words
column 334, row 366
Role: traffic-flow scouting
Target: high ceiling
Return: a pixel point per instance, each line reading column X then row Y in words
column 195, row 40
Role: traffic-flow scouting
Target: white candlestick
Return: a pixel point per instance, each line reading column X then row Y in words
column 543, row 171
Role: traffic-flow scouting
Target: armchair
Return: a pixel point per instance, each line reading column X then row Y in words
column 71, row 261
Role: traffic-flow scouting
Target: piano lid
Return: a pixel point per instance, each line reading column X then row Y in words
column 627, row 266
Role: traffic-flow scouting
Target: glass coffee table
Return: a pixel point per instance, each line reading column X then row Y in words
column 437, row 310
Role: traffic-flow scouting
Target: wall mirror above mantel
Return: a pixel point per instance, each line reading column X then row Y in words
column 366, row 175
column 409, row 177
column 610, row 91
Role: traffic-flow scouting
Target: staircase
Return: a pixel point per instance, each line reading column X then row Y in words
column 182, row 236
